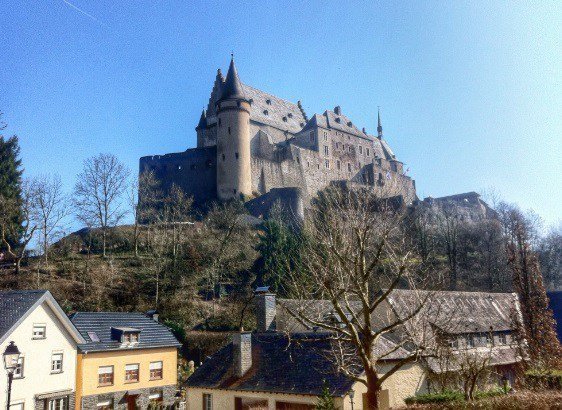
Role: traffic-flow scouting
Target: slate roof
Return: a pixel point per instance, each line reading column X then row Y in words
column 14, row 305
column 152, row 334
column 498, row 356
column 232, row 87
column 295, row 365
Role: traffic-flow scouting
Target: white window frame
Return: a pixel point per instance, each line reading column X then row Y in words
column 57, row 368
column 112, row 373
column 132, row 367
column 36, row 327
column 17, row 406
column 60, row 403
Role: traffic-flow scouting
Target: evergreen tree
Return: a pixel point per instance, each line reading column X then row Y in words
column 325, row 400
column 11, row 179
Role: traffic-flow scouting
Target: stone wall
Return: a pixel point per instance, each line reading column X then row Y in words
column 119, row 399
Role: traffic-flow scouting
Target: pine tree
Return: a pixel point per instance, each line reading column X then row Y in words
column 325, row 400
column 10, row 180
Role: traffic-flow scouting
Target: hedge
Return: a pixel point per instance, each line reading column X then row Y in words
column 541, row 380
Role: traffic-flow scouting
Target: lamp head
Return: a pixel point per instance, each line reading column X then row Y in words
column 11, row 357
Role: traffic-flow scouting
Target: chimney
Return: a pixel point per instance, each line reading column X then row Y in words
column 153, row 314
column 265, row 309
column 242, row 352
column 337, row 110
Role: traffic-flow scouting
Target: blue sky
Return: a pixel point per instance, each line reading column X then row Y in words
column 470, row 92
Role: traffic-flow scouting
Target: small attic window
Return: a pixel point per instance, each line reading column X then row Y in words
column 265, row 112
column 251, row 101
column 301, row 124
column 338, row 120
column 290, row 115
column 268, row 101
column 284, row 119
column 93, row 336
column 349, row 124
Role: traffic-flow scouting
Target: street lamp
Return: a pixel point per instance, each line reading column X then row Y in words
column 351, row 396
column 11, row 359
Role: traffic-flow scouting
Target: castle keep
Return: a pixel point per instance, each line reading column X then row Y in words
column 250, row 143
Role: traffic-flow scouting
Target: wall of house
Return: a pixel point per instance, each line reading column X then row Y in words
column 410, row 380
column 37, row 376
column 89, row 363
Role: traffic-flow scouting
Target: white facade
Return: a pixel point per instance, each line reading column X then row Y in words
column 47, row 341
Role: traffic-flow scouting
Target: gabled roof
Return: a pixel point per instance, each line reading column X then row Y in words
column 16, row 305
column 98, row 325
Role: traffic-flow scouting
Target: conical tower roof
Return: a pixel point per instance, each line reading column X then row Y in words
column 202, row 121
column 232, row 87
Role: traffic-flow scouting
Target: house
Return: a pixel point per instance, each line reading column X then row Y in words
column 45, row 377
column 285, row 365
column 128, row 361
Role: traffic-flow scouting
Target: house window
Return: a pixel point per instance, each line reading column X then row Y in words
column 17, row 406
column 327, row 164
column 105, row 376
column 18, row 371
column 131, row 373
column 156, row 371
column 326, row 150
column 39, row 331
column 453, row 342
column 58, row 404
column 130, row 337
column 56, row 363
column 155, row 398
column 207, row 401
column 502, row 338
column 105, row 405
column 489, row 339
column 470, row 341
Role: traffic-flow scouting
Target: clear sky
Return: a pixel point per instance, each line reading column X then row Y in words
column 470, row 92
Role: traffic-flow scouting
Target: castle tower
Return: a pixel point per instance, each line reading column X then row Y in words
column 234, row 172
column 379, row 127
column 201, row 130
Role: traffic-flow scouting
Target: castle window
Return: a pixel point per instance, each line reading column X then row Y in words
column 290, row 115
column 265, row 112
column 318, row 166
column 338, row 165
column 179, row 167
column 228, row 130
column 298, row 160
column 349, row 167
column 350, row 148
column 360, row 149
column 308, row 164
column 284, row 119
column 349, row 124
column 223, row 157
column 368, row 153
column 338, row 120
column 268, row 101
column 301, row 124
column 326, row 150
column 234, row 191
column 238, row 104
column 325, row 136
column 327, row 163
column 251, row 101
column 220, row 122
column 236, row 155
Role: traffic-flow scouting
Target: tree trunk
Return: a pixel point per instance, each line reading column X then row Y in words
column 136, row 236
column 371, row 397
column 18, row 264
column 103, row 240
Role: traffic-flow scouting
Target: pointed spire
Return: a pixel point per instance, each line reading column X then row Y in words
column 232, row 88
column 379, row 127
column 202, row 121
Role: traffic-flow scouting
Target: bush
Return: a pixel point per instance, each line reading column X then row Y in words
column 550, row 379
column 498, row 391
column 445, row 397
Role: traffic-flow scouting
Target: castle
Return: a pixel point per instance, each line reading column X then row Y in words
column 251, row 144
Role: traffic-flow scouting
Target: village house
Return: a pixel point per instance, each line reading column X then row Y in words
column 45, row 375
column 128, row 361
column 285, row 365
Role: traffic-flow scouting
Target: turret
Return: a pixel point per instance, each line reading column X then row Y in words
column 201, row 130
column 234, row 172
column 379, row 126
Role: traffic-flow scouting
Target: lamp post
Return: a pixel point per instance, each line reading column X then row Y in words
column 11, row 358
column 351, row 396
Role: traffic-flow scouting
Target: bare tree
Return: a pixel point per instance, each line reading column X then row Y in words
column 50, row 207
column 12, row 228
column 98, row 192
column 357, row 254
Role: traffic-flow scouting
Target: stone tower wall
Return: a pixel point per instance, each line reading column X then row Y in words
column 234, row 173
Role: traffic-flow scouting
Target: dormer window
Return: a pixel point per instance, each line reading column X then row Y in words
column 130, row 337
column 290, row 115
column 39, row 331
column 338, row 120
column 284, row 119
column 268, row 101
column 265, row 112
column 125, row 335
column 349, row 124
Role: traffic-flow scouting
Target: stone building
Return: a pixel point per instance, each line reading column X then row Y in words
column 250, row 142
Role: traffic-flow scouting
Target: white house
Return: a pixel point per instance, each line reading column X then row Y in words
column 46, row 374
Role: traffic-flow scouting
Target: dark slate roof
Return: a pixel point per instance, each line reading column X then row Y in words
column 498, row 356
column 298, row 364
column 152, row 334
column 14, row 305
column 202, row 121
column 232, row 87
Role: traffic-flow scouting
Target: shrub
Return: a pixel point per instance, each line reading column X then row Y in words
column 550, row 379
column 445, row 397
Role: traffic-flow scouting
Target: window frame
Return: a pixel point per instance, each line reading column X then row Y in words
column 502, row 338
column 39, row 326
column 112, row 382
column 62, row 401
column 128, row 372
column 54, row 361
column 161, row 369
column 207, row 401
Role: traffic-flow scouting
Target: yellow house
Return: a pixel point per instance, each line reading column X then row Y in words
column 128, row 362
